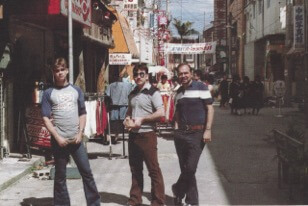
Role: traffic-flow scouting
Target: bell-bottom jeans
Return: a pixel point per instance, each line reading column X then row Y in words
column 61, row 157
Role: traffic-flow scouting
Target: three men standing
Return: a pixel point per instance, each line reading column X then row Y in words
column 145, row 107
column 193, row 121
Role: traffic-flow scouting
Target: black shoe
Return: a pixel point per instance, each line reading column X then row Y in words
column 176, row 199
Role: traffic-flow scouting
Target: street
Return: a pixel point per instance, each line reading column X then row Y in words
column 237, row 168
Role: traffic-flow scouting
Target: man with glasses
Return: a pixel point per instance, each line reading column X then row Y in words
column 145, row 107
column 193, row 121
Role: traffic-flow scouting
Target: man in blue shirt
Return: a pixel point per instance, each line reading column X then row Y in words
column 65, row 103
column 193, row 121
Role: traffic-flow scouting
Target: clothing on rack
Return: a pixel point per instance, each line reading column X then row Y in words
column 90, row 128
column 97, row 120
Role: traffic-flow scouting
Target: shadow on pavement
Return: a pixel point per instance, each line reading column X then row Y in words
column 122, row 199
column 96, row 155
column 45, row 201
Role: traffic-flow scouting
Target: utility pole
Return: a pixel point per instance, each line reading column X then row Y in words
column 70, row 42
column 306, row 63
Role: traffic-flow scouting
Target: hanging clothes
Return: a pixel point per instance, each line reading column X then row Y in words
column 90, row 128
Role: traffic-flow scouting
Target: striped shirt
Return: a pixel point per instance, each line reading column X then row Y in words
column 190, row 103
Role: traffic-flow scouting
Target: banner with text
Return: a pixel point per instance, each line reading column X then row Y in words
column 195, row 48
column 81, row 10
column 120, row 59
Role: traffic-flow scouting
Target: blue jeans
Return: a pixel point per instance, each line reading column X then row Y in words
column 61, row 156
column 189, row 146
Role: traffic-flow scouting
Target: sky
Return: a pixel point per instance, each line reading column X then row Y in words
column 198, row 11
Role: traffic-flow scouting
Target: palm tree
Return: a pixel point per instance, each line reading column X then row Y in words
column 184, row 29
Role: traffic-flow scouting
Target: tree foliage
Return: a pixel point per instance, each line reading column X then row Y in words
column 184, row 28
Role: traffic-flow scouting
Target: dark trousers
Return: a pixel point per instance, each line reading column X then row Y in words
column 189, row 146
column 143, row 147
column 61, row 156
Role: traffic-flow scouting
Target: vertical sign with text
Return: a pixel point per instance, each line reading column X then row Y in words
column 299, row 27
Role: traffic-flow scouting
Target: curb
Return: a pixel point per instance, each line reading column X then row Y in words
column 27, row 170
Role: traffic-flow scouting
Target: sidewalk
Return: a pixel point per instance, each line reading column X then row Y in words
column 14, row 167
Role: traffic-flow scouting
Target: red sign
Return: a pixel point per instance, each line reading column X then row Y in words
column 81, row 10
column 36, row 130
column 54, row 7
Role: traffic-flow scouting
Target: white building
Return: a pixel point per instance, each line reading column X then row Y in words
column 265, row 40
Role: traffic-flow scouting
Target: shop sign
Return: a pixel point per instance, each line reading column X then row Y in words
column 120, row 59
column 299, row 26
column 130, row 5
column 196, row 48
column 81, row 10
column 37, row 132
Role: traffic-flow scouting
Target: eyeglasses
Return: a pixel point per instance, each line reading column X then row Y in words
column 141, row 74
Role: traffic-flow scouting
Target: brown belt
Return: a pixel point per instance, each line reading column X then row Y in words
column 191, row 127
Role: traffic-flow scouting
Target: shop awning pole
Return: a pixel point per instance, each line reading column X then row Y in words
column 70, row 42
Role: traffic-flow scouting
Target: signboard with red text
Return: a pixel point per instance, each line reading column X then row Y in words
column 36, row 130
column 195, row 48
column 81, row 10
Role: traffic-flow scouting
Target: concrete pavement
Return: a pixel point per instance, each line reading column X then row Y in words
column 237, row 167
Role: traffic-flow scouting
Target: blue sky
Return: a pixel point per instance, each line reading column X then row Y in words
column 198, row 11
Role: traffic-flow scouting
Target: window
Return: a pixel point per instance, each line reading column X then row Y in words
column 268, row 3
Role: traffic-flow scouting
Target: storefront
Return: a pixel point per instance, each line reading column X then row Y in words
column 37, row 34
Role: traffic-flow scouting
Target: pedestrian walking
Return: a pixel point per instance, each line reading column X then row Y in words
column 257, row 93
column 247, row 97
column 235, row 93
column 223, row 91
column 193, row 122
column 64, row 103
column 144, row 109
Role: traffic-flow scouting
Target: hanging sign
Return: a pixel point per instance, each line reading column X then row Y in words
column 120, row 59
column 81, row 10
column 130, row 5
column 299, row 27
column 196, row 48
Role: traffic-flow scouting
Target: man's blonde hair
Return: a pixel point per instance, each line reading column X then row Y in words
column 59, row 62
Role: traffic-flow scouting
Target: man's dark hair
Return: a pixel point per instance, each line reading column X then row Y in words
column 198, row 73
column 164, row 77
column 184, row 64
column 142, row 67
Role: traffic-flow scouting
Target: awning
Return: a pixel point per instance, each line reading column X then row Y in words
column 296, row 51
column 123, row 37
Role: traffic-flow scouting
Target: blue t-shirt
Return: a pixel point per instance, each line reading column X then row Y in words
column 65, row 105
column 190, row 103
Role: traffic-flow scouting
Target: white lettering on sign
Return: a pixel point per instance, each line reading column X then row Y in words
column 81, row 10
column 197, row 48
column 120, row 59
column 299, row 26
